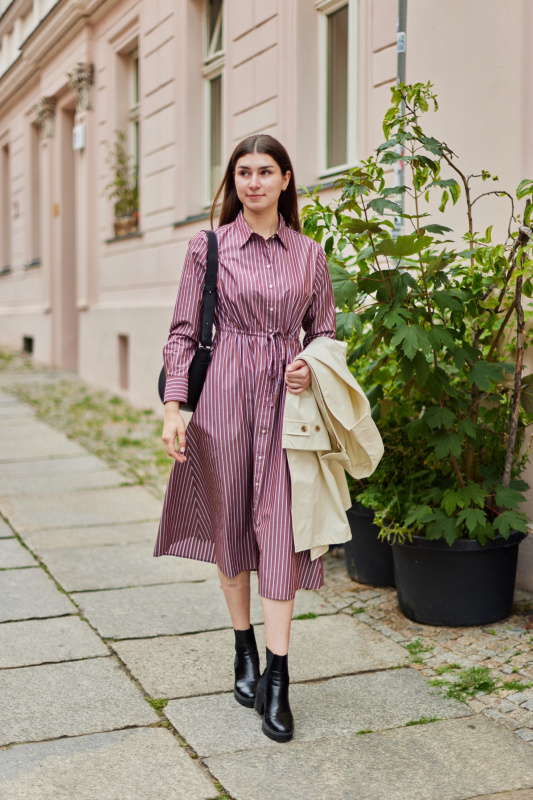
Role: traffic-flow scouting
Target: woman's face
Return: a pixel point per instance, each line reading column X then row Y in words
column 259, row 182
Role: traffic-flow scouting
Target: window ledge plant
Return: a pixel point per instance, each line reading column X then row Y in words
column 124, row 188
column 436, row 325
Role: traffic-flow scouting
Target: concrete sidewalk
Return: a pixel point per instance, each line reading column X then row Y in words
column 116, row 668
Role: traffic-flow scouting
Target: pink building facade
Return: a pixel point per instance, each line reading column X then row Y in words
column 185, row 80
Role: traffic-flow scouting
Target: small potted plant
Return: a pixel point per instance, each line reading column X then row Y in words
column 124, row 187
column 436, row 332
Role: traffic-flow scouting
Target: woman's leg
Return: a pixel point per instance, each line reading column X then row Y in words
column 278, row 616
column 237, row 593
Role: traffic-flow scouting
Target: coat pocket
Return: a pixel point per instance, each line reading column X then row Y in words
column 305, row 435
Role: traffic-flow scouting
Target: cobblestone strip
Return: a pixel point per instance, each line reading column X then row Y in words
column 505, row 648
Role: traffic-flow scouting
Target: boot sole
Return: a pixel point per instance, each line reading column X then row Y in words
column 244, row 701
column 274, row 735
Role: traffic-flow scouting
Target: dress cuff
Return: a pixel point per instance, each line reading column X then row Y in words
column 176, row 388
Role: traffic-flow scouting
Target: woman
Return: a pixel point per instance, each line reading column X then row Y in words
column 228, row 500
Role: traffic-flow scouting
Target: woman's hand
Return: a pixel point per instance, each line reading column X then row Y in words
column 174, row 428
column 298, row 376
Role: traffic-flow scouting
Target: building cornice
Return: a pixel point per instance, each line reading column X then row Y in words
column 64, row 20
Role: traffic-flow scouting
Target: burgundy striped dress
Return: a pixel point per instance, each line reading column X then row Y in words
column 230, row 502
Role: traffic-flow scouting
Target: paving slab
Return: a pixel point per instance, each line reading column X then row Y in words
column 13, row 554
column 174, row 609
column 91, row 507
column 63, row 482
column 11, row 412
column 69, row 699
column 23, row 644
column 441, row 761
column 339, row 707
column 116, row 566
column 30, row 593
column 53, row 444
column 201, row 664
column 51, row 466
column 21, row 429
column 5, row 530
column 91, row 535
column 145, row 763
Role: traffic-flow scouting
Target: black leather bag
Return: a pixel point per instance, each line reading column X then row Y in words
column 202, row 357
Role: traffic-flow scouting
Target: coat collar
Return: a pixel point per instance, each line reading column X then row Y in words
column 244, row 232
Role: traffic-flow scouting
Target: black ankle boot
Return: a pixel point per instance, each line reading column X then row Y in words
column 272, row 699
column 246, row 667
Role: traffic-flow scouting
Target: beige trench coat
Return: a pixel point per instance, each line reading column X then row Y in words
column 327, row 429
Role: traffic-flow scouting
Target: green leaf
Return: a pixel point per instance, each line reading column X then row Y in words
column 510, row 520
column 526, row 394
column 438, row 229
column 484, row 373
column 447, row 299
column 435, row 416
column 403, row 246
column 525, row 187
column 446, row 443
column 444, row 200
column 412, row 338
column 344, row 288
column 380, row 204
column 362, row 226
column 468, row 428
column 391, row 158
column 509, row 498
column 421, row 368
column 347, row 324
column 433, row 145
column 439, row 336
column 472, row 518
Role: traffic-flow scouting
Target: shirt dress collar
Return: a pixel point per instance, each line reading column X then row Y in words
column 244, row 232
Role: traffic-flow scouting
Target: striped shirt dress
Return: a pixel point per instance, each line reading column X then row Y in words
column 230, row 502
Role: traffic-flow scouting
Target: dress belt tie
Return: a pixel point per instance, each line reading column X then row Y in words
column 276, row 342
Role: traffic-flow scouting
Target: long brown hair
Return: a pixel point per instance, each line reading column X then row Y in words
column 288, row 200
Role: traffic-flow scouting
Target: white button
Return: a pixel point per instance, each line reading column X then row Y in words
column 260, row 458
column 270, row 330
column 272, row 308
column 264, row 430
column 270, row 286
column 268, row 266
column 257, row 483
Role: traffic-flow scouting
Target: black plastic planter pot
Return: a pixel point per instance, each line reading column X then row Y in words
column 465, row 584
column 368, row 559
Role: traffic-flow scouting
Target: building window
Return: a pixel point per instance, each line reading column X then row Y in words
column 213, row 72
column 35, row 198
column 338, row 84
column 5, row 210
column 134, row 108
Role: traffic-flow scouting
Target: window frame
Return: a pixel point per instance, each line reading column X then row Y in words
column 134, row 108
column 325, row 9
column 214, row 63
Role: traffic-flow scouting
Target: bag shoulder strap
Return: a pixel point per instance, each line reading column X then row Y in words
column 210, row 290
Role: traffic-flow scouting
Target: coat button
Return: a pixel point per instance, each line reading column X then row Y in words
column 317, row 427
column 304, row 428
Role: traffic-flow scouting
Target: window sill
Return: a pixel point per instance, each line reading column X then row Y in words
column 132, row 235
column 193, row 218
column 35, row 262
column 5, row 271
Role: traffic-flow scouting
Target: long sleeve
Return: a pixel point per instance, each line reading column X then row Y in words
column 320, row 317
column 185, row 328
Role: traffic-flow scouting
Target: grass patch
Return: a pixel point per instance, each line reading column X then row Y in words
column 473, row 680
column 158, row 704
column 421, row 721
column 360, row 610
column 361, row 733
column 444, row 668
column 492, row 632
column 309, row 615
column 416, row 650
